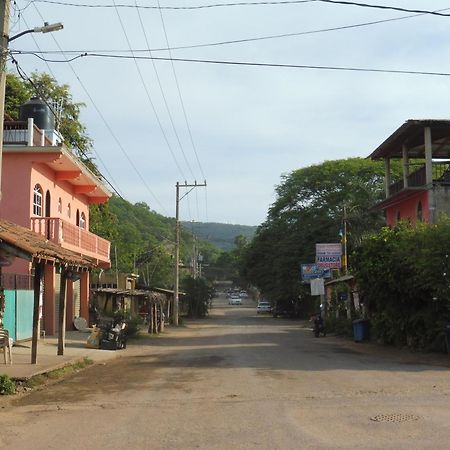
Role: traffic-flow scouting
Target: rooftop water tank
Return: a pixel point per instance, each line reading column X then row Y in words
column 39, row 111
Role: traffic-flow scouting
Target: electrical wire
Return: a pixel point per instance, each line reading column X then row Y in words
column 180, row 96
column 97, row 155
column 260, row 3
column 108, row 127
column 256, row 64
column 163, row 94
column 245, row 40
column 147, row 92
column 41, row 94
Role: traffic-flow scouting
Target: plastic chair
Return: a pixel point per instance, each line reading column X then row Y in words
column 6, row 344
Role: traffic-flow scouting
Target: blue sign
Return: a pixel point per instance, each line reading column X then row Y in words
column 312, row 271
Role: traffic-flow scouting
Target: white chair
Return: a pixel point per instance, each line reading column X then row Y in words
column 6, row 344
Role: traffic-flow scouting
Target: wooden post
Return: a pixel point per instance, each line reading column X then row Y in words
column 62, row 313
column 150, row 318
column 37, row 294
column 155, row 318
column 161, row 305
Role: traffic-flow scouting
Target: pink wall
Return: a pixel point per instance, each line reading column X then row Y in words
column 408, row 209
column 20, row 175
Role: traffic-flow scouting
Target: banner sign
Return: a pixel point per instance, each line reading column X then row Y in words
column 317, row 287
column 328, row 256
column 311, row 271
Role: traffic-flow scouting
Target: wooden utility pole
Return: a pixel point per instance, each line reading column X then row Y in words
column 175, row 311
column 62, row 312
column 4, row 36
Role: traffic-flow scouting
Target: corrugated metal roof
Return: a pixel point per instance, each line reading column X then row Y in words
column 38, row 247
column 411, row 134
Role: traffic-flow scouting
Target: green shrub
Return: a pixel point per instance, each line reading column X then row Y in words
column 7, row 386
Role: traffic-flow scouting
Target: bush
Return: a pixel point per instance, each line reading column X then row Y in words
column 7, row 386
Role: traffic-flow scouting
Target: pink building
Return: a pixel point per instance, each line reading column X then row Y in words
column 45, row 187
column 423, row 191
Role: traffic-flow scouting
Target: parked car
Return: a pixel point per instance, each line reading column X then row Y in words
column 243, row 294
column 264, row 307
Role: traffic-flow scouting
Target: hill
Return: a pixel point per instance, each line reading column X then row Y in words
column 221, row 235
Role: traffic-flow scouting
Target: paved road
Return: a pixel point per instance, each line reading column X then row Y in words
column 238, row 380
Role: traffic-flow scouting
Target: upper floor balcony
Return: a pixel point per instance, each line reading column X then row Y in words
column 73, row 238
column 26, row 133
column 417, row 178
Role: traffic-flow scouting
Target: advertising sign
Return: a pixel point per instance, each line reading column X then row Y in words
column 329, row 256
column 311, row 271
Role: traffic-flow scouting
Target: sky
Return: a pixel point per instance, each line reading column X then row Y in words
column 238, row 127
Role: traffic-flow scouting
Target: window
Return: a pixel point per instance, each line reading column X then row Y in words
column 37, row 201
column 83, row 221
column 68, row 210
column 60, row 205
column 398, row 216
column 419, row 211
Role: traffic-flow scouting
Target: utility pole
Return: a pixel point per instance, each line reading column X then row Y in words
column 4, row 37
column 344, row 239
column 175, row 312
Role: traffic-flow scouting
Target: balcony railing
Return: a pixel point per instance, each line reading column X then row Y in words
column 19, row 133
column 71, row 237
column 441, row 174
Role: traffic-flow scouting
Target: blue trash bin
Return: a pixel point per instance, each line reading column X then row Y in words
column 360, row 330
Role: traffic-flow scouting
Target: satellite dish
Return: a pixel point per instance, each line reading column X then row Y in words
column 80, row 323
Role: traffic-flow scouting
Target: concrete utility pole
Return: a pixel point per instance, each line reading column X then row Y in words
column 175, row 312
column 4, row 36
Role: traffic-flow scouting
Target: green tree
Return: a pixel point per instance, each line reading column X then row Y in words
column 403, row 276
column 199, row 293
column 309, row 209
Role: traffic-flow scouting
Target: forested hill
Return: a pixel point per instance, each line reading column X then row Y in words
column 221, row 235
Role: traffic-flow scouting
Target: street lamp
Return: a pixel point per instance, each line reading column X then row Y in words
column 47, row 28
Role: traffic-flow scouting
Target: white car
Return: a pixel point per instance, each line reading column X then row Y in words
column 264, row 307
column 235, row 300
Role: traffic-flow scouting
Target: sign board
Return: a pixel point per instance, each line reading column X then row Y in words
column 311, row 271
column 317, row 287
column 328, row 256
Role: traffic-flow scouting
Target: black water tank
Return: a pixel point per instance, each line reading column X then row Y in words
column 39, row 111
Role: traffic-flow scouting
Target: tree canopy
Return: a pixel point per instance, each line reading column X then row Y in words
column 309, row 209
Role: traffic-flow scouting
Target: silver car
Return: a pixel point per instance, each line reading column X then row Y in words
column 264, row 307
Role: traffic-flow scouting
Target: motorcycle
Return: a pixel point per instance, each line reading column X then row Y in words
column 319, row 326
column 113, row 335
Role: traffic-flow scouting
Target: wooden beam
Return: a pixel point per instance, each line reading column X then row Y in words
column 67, row 175
column 15, row 251
column 38, row 269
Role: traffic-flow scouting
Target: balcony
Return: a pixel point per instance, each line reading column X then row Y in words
column 416, row 179
column 73, row 238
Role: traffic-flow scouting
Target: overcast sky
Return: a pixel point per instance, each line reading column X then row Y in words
column 249, row 124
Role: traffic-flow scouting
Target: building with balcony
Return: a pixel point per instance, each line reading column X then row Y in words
column 47, row 188
column 423, row 191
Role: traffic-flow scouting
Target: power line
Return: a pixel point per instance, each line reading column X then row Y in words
column 255, row 64
column 180, row 95
column 26, row 78
column 141, row 77
column 244, row 40
column 260, row 3
column 108, row 127
column 163, row 93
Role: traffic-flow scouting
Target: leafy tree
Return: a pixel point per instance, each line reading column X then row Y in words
column 60, row 99
column 199, row 293
column 308, row 210
column 403, row 276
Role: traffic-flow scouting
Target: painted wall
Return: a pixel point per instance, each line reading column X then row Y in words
column 407, row 209
column 19, row 176
column 18, row 318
